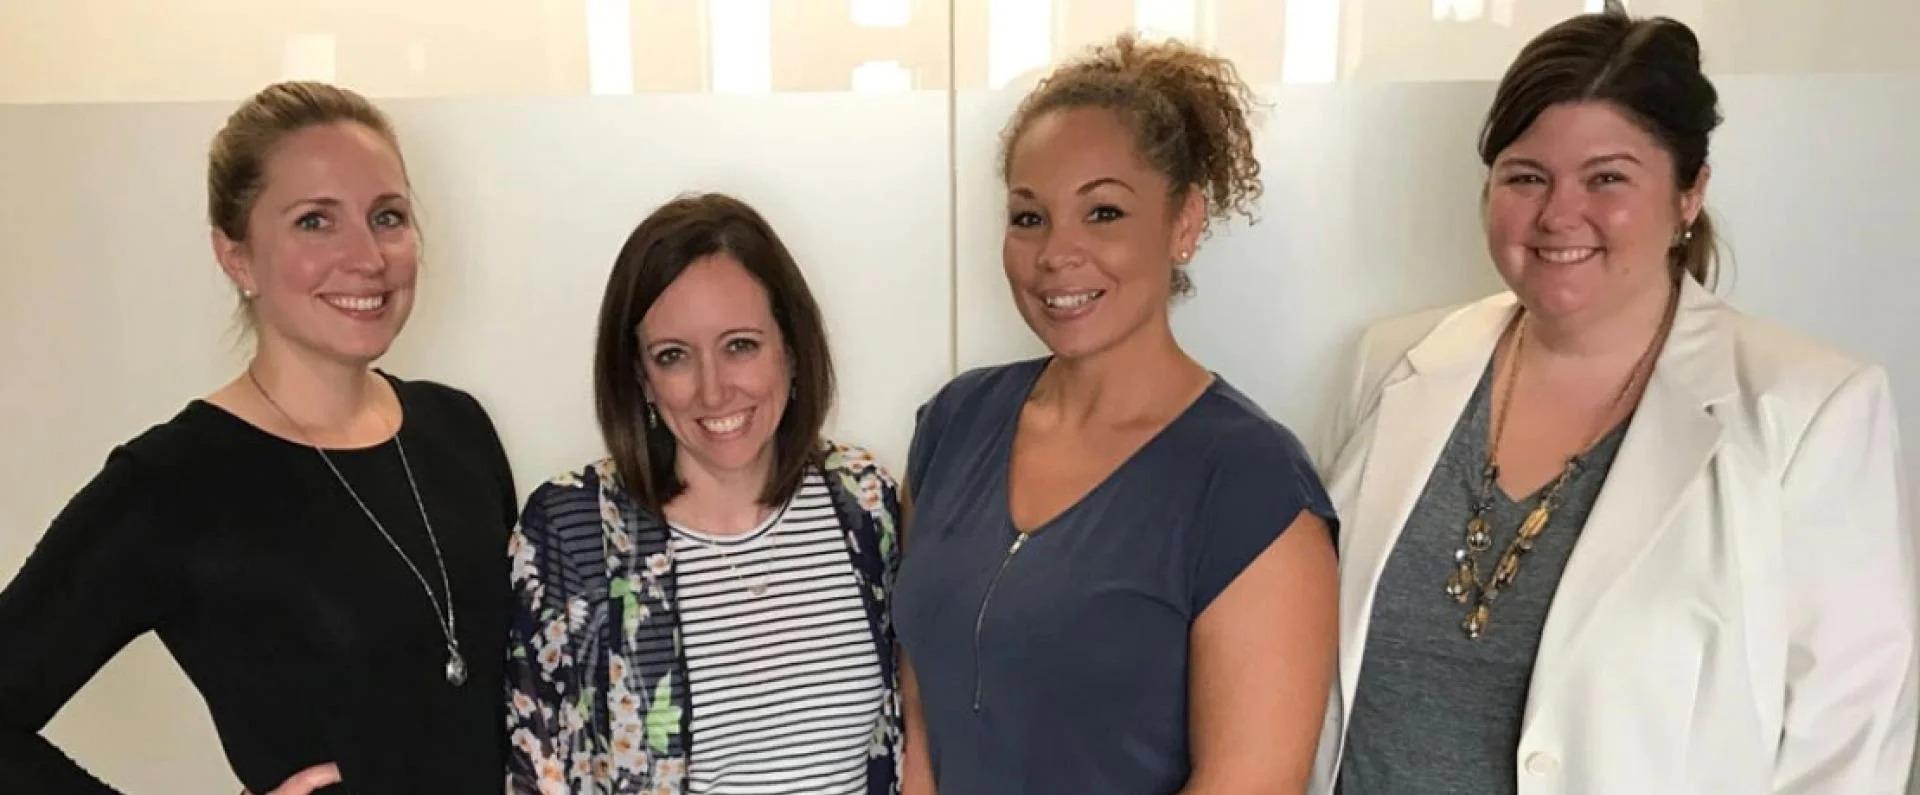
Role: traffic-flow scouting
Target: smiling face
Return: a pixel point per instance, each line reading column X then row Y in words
column 717, row 368
column 1092, row 232
column 331, row 253
column 1582, row 210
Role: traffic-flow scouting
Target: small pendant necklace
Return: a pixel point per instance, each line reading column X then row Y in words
column 756, row 585
column 759, row 584
column 456, row 668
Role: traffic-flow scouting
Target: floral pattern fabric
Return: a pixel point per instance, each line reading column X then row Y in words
column 596, row 674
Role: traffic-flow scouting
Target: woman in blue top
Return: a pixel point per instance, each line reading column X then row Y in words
column 1119, row 576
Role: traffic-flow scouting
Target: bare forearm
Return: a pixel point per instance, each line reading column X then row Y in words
column 917, row 772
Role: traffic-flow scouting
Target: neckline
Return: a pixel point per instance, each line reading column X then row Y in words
column 1483, row 417
column 399, row 396
column 1011, row 428
column 766, row 525
column 1610, row 439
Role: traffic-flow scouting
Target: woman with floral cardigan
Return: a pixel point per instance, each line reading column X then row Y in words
column 706, row 609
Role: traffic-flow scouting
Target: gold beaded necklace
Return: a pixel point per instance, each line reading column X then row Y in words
column 1465, row 585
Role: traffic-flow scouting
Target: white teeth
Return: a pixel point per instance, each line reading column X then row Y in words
column 1564, row 256
column 725, row 424
column 358, row 303
column 1072, row 300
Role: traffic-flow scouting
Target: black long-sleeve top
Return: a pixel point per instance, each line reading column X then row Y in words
column 306, row 634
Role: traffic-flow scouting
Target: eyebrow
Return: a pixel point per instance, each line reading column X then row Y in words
column 1528, row 162
column 1027, row 193
column 323, row 201
column 329, row 201
column 677, row 341
column 1089, row 187
column 1602, row 159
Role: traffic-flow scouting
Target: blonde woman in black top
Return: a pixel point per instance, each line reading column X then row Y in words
column 316, row 543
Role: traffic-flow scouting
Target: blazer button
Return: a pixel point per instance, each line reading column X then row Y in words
column 1542, row 764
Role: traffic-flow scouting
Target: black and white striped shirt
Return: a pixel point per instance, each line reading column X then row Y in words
column 784, row 685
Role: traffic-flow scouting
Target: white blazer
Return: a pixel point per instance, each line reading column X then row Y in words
column 1739, row 615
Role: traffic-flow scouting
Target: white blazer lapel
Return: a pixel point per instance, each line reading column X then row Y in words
column 1419, row 405
column 1672, row 437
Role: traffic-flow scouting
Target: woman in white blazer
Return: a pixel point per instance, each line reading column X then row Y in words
column 1703, row 582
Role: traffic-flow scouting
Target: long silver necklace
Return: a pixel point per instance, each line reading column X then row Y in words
column 456, row 670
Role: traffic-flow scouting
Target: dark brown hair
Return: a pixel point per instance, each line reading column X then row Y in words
column 236, row 162
column 672, row 238
column 1647, row 68
column 1187, row 111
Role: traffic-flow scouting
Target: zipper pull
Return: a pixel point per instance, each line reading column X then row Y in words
column 980, row 618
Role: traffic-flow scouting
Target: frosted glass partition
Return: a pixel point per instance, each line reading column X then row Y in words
column 113, row 314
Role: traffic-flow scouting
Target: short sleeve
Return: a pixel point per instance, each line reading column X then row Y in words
column 928, row 422
column 1257, row 484
column 959, row 406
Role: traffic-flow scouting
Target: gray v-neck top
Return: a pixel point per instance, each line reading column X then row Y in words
column 1435, row 712
column 1072, row 675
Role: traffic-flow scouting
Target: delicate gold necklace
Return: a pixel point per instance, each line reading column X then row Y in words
column 1465, row 584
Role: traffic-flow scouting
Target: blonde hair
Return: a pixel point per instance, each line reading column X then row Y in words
column 236, row 162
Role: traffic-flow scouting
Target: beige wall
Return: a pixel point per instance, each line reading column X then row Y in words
column 1398, row 41
column 134, row 50
column 816, row 45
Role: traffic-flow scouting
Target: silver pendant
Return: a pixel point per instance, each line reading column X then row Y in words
column 456, row 668
column 757, row 586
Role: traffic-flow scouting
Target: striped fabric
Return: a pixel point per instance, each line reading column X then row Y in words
column 785, row 685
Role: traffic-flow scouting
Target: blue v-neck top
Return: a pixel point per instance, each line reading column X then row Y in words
column 1071, row 675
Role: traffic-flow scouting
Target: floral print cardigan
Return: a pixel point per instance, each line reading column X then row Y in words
column 596, row 676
